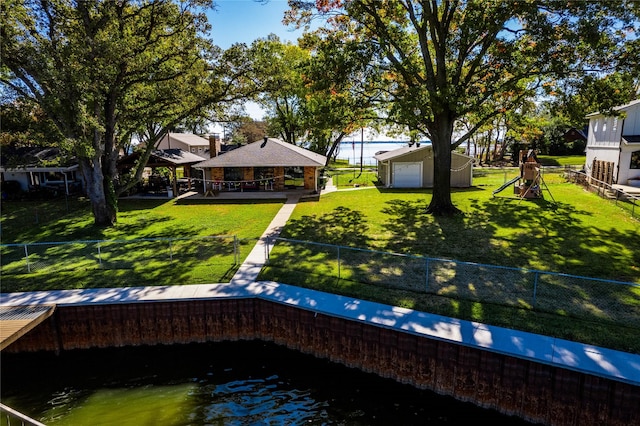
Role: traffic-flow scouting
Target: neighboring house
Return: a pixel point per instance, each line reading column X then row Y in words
column 35, row 168
column 187, row 142
column 412, row 167
column 270, row 164
column 613, row 145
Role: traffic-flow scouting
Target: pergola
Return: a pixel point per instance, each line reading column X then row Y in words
column 169, row 158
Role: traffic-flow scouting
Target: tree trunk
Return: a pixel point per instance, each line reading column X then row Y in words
column 441, row 204
column 100, row 192
column 334, row 146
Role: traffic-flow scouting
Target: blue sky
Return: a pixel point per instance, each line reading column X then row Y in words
column 243, row 21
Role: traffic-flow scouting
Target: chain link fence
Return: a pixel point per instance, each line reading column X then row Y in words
column 93, row 263
column 578, row 296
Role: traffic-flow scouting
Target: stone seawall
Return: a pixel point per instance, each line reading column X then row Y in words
column 513, row 385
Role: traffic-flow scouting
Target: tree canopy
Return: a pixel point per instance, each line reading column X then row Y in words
column 103, row 71
column 443, row 60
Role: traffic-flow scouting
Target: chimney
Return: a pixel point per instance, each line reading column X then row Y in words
column 214, row 145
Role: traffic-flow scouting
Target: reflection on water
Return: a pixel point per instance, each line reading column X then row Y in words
column 241, row 383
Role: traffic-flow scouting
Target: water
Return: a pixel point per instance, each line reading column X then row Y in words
column 351, row 150
column 240, row 383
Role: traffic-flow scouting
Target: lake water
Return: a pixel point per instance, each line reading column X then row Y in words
column 231, row 383
column 351, row 150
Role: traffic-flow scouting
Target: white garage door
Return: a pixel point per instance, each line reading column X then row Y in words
column 407, row 175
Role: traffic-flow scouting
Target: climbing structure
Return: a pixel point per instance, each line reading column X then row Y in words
column 530, row 182
column 530, row 177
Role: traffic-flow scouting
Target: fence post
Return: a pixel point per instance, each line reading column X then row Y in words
column 338, row 247
column 267, row 241
column 26, row 255
column 535, row 288
column 235, row 250
column 426, row 279
column 99, row 256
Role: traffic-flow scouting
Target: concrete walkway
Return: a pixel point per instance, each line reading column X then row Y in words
column 249, row 270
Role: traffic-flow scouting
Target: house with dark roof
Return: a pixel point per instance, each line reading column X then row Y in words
column 267, row 165
column 34, row 169
column 188, row 142
column 412, row 167
column 613, row 146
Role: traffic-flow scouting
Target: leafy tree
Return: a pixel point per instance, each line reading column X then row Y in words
column 342, row 90
column 104, row 71
column 445, row 59
column 593, row 93
column 313, row 92
column 277, row 67
column 23, row 123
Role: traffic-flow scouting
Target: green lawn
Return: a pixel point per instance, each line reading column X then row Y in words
column 568, row 160
column 578, row 234
column 352, row 177
column 129, row 262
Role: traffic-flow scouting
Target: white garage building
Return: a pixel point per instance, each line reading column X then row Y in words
column 412, row 167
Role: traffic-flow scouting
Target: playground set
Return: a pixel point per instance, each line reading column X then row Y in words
column 530, row 183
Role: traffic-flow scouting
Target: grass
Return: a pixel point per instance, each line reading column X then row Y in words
column 568, row 160
column 134, row 263
column 579, row 234
column 352, row 177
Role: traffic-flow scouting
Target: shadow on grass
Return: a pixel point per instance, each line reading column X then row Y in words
column 122, row 264
column 343, row 226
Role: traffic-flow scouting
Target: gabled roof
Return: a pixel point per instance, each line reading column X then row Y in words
column 618, row 108
column 176, row 156
column 161, row 157
column 270, row 152
column 35, row 159
column 188, row 139
column 405, row 150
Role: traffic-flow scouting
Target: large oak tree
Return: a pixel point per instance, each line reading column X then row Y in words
column 445, row 59
column 104, row 71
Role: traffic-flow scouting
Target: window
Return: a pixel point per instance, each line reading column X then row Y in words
column 604, row 126
column 232, row 174
column 193, row 150
column 595, row 126
column 53, row 177
column 615, row 124
column 263, row 173
column 635, row 160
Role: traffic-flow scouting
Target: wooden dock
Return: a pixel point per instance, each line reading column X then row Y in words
column 16, row 321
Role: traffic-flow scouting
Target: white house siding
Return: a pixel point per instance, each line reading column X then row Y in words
column 631, row 127
column 604, row 141
column 632, row 121
column 21, row 177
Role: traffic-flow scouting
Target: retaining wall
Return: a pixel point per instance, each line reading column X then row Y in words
column 512, row 385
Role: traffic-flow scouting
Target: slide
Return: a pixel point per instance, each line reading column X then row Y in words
column 512, row 181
